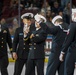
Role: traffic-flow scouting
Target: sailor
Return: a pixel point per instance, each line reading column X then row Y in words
column 36, row 54
column 21, row 44
column 58, row 36
column 69, row 46
column 5, row 39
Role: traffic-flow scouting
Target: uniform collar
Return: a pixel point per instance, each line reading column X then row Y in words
column 60, row 26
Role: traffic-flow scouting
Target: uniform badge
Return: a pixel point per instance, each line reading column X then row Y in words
column 4, row 31
column 37, row 34
column 20, row 33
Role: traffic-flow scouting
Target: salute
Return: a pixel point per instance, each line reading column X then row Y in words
column 70, row 46
column 58, row 31
column 36, row 53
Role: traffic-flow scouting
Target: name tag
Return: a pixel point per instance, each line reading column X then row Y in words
column 20, row 33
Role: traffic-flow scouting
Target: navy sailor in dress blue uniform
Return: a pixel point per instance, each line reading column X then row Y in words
column 5, row 39
column 21, row 44
column 36, row 53
column 57, row 40
column 69, row 45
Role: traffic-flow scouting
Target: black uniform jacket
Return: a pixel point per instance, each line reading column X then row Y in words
column 5, row 39
column 37, row 43
column 21, row 44
column 70, row 41
column 57, row 38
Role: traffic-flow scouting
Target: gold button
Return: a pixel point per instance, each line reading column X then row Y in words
column 1, row 46
column 2, row 38
column 30, row 48
column 24, row 43
column 2, row 42
column 34, row 47
column 34, row 43
column 23, row 48
column 30, row 44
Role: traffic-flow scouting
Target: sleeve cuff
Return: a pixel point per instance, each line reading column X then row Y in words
column 62, row 52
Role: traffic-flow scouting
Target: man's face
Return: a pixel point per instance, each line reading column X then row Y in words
column 27, row 21
column 37, row 24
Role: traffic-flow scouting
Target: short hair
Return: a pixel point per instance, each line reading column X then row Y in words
column 59, row 20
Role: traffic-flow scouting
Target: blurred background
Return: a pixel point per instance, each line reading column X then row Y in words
column 11, row 11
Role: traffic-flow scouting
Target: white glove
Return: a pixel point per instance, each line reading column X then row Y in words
column 37, row 17
column 61, row 57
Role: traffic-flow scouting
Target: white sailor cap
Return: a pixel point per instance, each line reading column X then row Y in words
column 27, row 16
column 73, row 10
column 39, row 18
column 55, row 18
column 74, row 15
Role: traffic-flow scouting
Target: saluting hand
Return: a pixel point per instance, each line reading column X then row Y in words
column 61, row 57
column 15, row 55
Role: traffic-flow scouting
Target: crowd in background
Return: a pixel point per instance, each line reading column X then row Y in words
column 49, row 9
